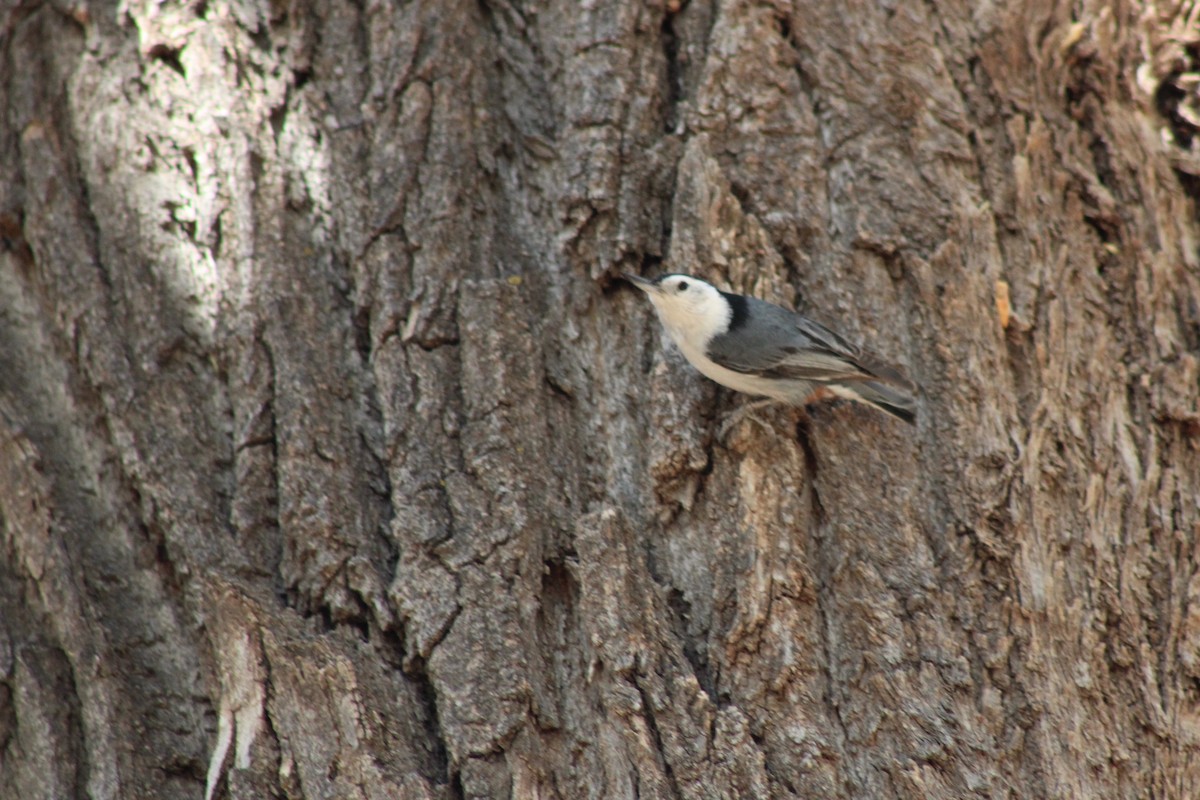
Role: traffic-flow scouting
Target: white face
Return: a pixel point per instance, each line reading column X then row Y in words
column 691, row 310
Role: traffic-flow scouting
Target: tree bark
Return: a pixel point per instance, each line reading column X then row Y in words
column 336, row 462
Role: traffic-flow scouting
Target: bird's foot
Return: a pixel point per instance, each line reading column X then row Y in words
column 744, row 412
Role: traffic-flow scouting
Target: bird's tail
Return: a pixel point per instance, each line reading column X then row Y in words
column 890, row 397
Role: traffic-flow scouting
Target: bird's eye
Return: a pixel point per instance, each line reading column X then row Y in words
column 683, row 286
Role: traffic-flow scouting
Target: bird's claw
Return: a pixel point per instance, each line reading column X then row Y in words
column 742, row 412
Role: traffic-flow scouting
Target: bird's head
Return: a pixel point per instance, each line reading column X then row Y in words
column 692, row 310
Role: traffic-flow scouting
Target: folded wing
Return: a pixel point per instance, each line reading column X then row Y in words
column 783, row 345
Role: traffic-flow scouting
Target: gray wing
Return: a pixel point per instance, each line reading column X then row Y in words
column 784, row 345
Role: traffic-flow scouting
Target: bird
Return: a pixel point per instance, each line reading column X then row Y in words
column 763, row 349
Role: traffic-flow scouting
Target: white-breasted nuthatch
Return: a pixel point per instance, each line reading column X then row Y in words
column 763, row 349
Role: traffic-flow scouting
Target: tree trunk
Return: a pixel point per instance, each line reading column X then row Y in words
column 336, row 462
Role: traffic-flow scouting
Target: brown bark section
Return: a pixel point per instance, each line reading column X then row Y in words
column 335, row 463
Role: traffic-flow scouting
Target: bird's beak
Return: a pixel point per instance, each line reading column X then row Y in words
column 641, row 283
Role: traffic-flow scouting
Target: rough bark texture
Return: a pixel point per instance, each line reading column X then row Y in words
column 335, row 463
